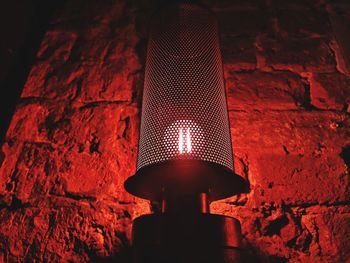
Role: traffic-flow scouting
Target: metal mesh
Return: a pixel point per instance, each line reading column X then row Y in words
column 184, row 114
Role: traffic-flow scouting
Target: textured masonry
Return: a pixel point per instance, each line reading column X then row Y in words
column 73, row 138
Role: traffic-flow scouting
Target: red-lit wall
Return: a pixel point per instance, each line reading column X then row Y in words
column 73, row 138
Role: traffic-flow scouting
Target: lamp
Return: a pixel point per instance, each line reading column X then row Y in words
column 185, row 155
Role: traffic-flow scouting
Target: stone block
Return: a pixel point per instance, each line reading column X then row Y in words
column 330, row 91
column 312, row 55
column 238, row 53
column 263, row 90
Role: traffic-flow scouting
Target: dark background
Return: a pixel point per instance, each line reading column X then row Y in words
column 22, row 26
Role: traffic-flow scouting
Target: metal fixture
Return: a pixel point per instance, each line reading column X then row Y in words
column 185, row 156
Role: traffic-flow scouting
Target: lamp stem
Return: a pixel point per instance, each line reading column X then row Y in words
column 180, row 203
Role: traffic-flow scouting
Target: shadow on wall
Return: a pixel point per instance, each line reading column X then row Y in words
column 345, row 155
column 22, row 26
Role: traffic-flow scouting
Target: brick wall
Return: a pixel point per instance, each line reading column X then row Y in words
column 73, row 138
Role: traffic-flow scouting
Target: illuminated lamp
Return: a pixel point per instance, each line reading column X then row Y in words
column 185, row 156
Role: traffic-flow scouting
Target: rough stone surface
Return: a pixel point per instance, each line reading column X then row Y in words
column 73, row 138
column 297, row 55
column 291, row 26
column 261, row 90
column 330, row 91
column 239, row 53
column 287, row 149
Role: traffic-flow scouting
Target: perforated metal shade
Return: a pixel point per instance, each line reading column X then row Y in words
column 184, row 134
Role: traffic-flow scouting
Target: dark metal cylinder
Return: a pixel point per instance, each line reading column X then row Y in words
column 187, row 238
column 197, row 203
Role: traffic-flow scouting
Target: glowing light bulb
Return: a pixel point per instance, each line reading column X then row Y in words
column 188, row 141
column 183, row 138
column 184, row 146
column 181, row 143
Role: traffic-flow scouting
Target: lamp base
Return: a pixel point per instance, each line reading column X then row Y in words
column 186, row 237
column 195, row 176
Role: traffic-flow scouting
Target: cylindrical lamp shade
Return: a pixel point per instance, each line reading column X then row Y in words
column 184, row 133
